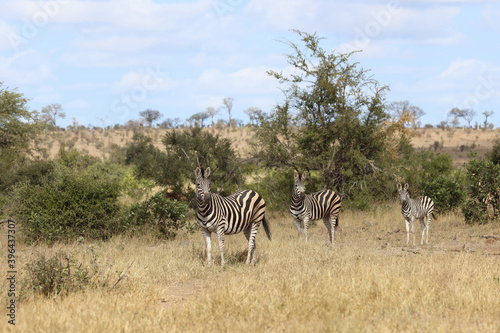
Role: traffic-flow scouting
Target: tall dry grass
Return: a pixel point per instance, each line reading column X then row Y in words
column 369, row 282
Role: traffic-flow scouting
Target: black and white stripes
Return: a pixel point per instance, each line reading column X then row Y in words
column 419, row 208
column 241, row 211
column 319, row 205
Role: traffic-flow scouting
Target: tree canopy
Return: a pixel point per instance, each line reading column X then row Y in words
column 333, row 118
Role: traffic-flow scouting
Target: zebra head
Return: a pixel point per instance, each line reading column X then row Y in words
column 299, row 188
column 403, row 192
column 202, row 184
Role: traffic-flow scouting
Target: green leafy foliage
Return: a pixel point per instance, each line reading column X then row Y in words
column 494, row 154
column 18, row 127
column 275, row 186
column 446, row 192
column 332, row 121
column 73, row 205
column 167, row 217
column 483, row 191
column 174, row 169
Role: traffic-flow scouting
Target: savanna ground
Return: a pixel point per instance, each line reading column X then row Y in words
column 370, row 282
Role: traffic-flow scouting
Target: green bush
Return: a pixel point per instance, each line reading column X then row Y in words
column 483, row 194
column 74, row 205
column 447, row 193
column 276, row 188
column 163, row 215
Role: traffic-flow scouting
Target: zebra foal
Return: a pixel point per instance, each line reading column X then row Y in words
column 323, row 204
column 419, row 208
column 241, row 211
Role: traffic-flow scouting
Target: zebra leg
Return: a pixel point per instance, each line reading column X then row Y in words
column 407, row 223
column 428, row 227
column 326, row 221
column 331, row 224
column 413, row 229
column 208, row 243
column 297, row 224
column 306, row 226
column 250, row 234
column 422, row 225
column 220, row 236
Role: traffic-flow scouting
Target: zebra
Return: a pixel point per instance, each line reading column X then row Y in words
column 412, row 209
column 323, row 204
column 241, row 211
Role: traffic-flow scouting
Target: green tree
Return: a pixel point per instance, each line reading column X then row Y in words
column 185, row 149
column 333, row 118
column 174, row 167
column 18, row 127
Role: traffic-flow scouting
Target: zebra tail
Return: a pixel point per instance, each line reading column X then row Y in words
column 434, row 216
column 265, row 223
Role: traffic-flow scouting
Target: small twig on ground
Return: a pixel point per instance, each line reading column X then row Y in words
column 122, row 275
column 486, row 236
column 414, row 251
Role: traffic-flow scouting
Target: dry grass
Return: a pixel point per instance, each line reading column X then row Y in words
column 369, row 282
column 458, row 143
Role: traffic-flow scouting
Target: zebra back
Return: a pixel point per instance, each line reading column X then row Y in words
column 322, row 203
column 236, row 211
column 317, row 205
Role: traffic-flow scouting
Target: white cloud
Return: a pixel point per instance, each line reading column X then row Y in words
column 151, row 79
column 77, row 104
column 25, row 68
column 490, row 17
column 467, row 83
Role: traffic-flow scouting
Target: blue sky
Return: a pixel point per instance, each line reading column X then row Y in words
column 105, row 61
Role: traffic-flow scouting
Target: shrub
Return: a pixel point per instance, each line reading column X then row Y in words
column 276, row 188
column 494, row 154
column 165, row 216
column 483, row 184
column 56, row 275
column 74, row 205
column 446, row 192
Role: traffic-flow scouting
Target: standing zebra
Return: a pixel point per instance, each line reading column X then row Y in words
column 412, row 209
column 323, row 204
column 241, row 211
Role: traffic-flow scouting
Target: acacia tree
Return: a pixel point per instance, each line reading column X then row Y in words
column 405, row 112
column 51, row 112
column 150, row 116
column 18, row 127
column 487, row 114
column 333, row 118
column 227, row 104
column 198, row 118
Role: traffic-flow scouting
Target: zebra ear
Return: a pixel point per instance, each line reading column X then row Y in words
column 296, row 175
column 207, row 172
column 406, row 186
column 197, row 172
column 304, row 175
column 399, row 186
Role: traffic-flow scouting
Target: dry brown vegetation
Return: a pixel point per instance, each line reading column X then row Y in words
column 455, row 142
column 369, row 282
